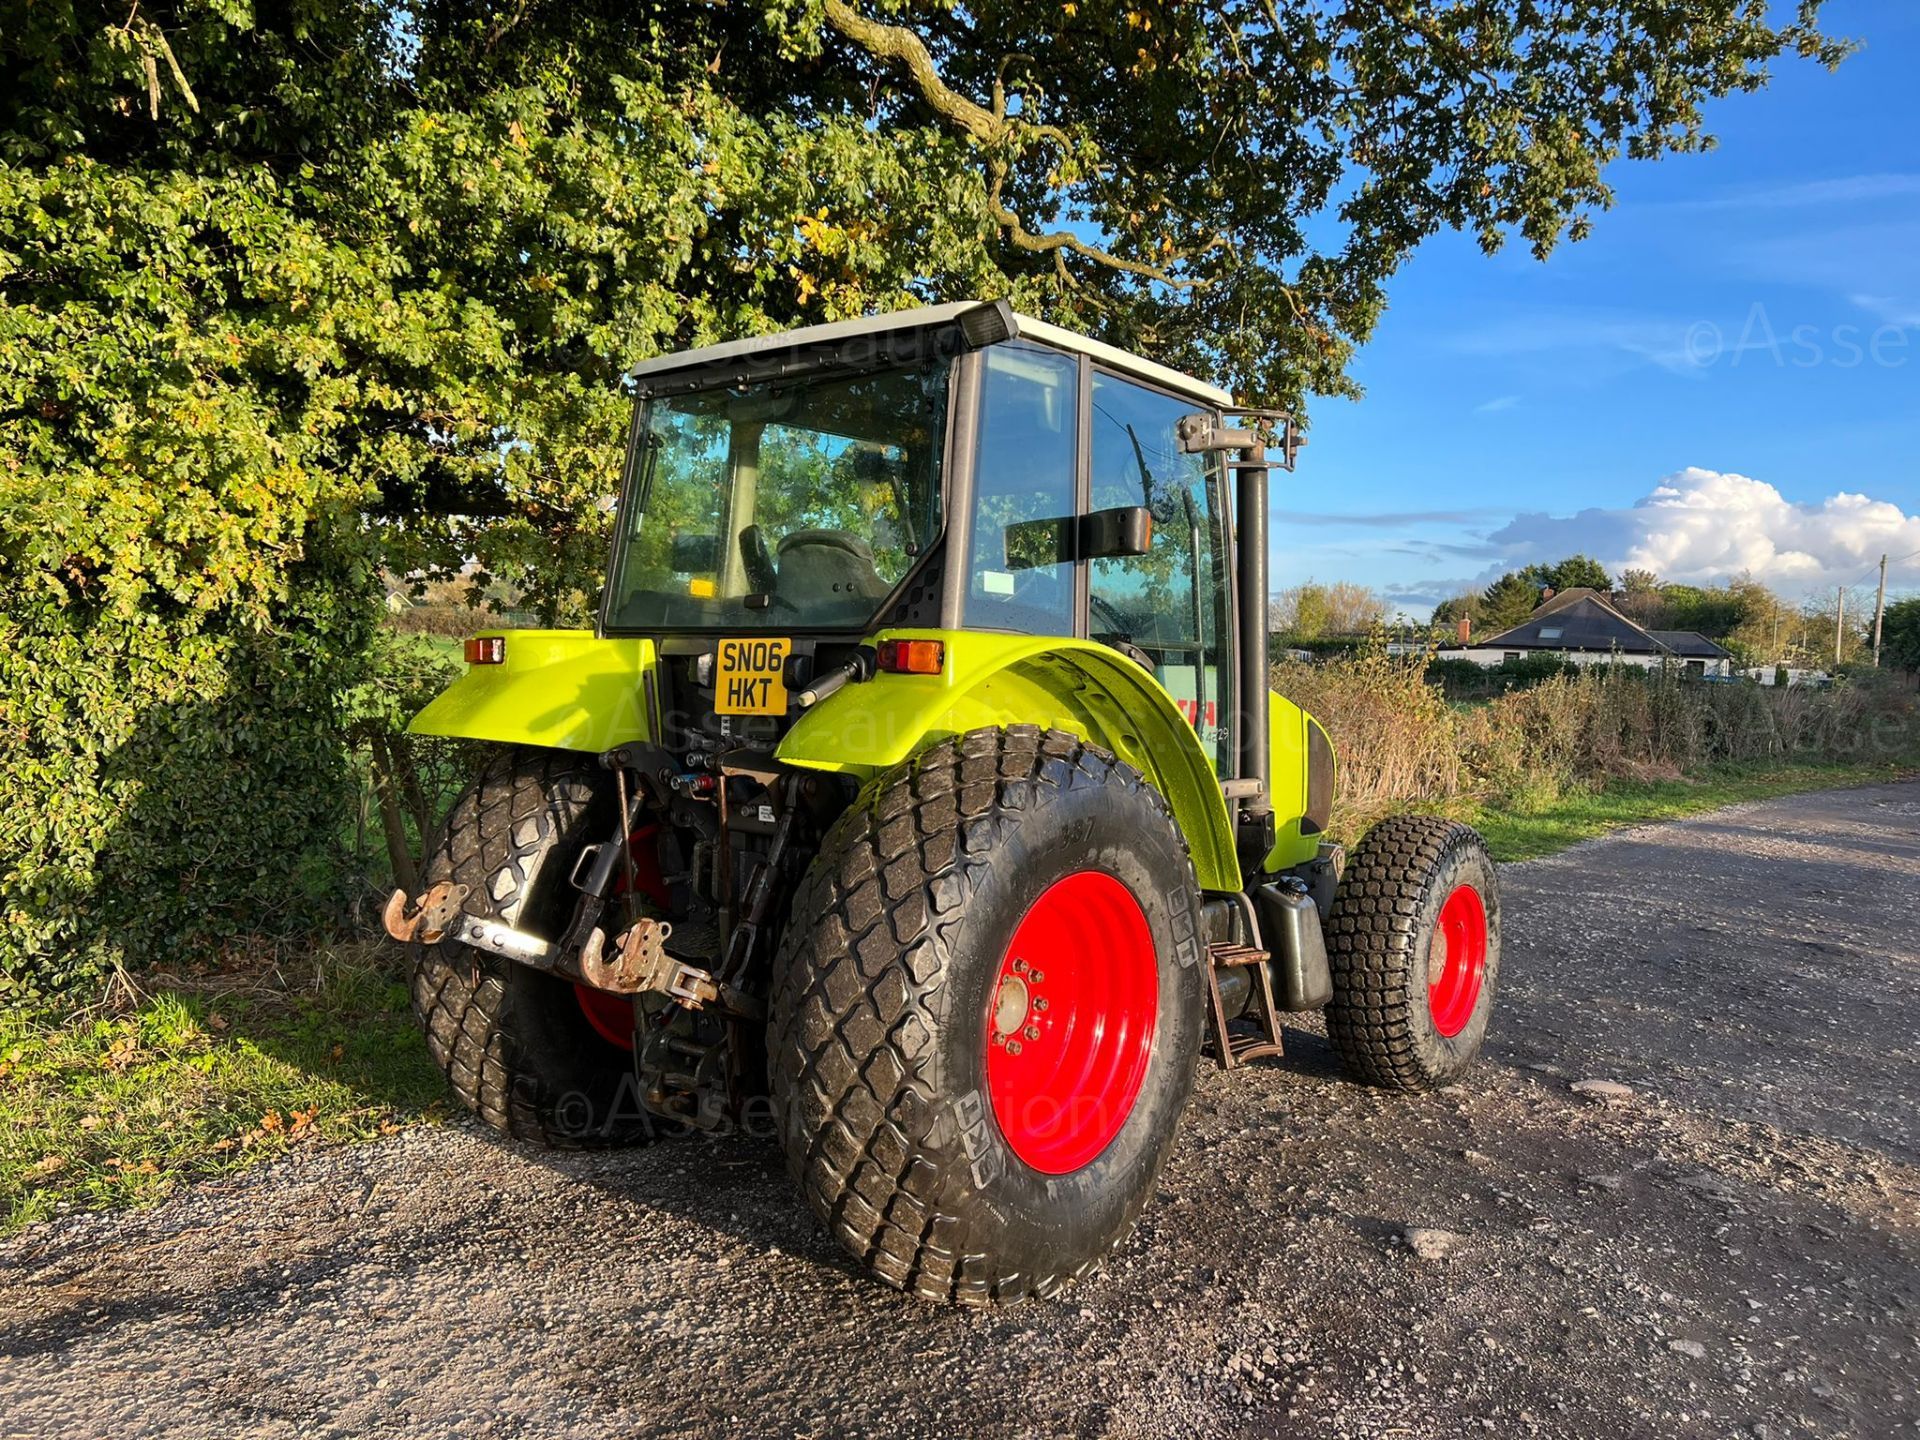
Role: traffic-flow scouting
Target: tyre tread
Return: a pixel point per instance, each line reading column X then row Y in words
column 493, row 841
column 850, row 1029
column 1371, row 944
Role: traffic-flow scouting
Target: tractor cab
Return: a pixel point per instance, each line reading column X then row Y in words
column 954, row 469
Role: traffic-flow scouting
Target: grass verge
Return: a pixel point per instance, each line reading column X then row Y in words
column 188, row 1077
column 1530, row 830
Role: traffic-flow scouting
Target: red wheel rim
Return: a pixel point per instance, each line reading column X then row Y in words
column 1070, row 1022
column 1457, row 961
column 611, row 1016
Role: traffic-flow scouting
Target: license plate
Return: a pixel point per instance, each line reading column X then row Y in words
column 750, row 678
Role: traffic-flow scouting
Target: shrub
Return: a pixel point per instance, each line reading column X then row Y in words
column 1460, row 677
column 1400, row 744
column 1394, row 732
column 185, row 587
column 173, row 787
column 1533, row 669
column 178, row 791
column 1469, row 680
column 1321, row 647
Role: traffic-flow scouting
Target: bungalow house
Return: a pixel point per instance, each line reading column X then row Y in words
column 1582, row 626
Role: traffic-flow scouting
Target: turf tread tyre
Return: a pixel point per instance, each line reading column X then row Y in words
column 1377, row 933
column 512, row 1042
column 879, row 1148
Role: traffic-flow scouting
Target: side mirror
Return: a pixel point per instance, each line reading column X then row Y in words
column 1119, row 533
column 1125, row 530
column 695, row 554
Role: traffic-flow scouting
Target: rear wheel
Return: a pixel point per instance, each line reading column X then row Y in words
column 529, row 1053
column 986, row 1014
column 1414, row 943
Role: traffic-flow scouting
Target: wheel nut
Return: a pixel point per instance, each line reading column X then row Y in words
column 1019, row 967
column 1036, row 977
column 1013, row 1047
column 1039, row 1002
column 1032, row 1032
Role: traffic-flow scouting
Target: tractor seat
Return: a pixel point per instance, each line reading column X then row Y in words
column 823, row 571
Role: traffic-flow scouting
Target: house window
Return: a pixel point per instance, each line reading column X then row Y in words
column 1511, row 655
column 1552, row 632
column 1696, row 667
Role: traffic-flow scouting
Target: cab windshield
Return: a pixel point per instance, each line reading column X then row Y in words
column 794, row 504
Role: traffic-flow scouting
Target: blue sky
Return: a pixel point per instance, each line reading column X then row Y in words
column 1726, row 376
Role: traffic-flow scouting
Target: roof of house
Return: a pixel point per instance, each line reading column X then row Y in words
column 1584, row 620
column 1024, row 327
column 1692, row 644
column 1577, row 620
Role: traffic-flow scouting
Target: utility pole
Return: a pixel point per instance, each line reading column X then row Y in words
column 1879, row 612
column 1839, row 621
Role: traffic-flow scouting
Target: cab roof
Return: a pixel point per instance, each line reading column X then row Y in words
column 999, row 321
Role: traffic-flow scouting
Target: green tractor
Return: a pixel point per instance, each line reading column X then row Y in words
column 920, row 792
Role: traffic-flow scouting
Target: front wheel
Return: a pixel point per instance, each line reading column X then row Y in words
column 986, row 1015
column 1414, row 943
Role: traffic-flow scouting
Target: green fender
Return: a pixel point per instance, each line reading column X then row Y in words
column 562, row 689
column 994, row 680
column 573, row 690
column 1291, row 730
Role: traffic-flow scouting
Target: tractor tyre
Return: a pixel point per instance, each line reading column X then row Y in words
column 526, row 1051
column 1414, row 943
column 986, row 1013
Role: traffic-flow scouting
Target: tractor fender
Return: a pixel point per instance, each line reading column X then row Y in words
column 993, row 680
column 1304, row 771
column 559, row 689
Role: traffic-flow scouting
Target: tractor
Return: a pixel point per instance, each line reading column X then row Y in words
column 920, row 792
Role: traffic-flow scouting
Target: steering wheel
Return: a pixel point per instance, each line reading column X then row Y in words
column 1119, row 639
column 1105, row 609
column 758, row 559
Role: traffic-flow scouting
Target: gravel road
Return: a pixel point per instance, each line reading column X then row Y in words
column 1730, row 1249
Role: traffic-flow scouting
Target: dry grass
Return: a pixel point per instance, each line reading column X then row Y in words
column 1402, row 746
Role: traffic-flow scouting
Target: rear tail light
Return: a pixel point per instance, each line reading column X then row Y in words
column 487, row 650
column 911, row 657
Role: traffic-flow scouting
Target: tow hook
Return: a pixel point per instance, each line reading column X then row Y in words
column 637, row 961
column 427, row 920
column 639, row 964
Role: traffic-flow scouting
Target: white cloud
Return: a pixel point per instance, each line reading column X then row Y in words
column 1901, row 314
column 1609, row 343
column 1839, row 190
column 1418, row 597
column 1496, row 405
column 1702, row 526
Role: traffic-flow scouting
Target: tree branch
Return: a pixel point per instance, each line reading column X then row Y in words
column 903, row 47
column 999, row 134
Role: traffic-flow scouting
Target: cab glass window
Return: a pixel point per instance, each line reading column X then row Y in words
column 1020, row 571
column 795, row 504
column 1169, row 606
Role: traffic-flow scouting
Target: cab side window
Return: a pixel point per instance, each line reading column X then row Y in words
column 1170, row 603
column 1020, row 572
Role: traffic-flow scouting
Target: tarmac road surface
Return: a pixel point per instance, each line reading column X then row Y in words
column 1732, row 1249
